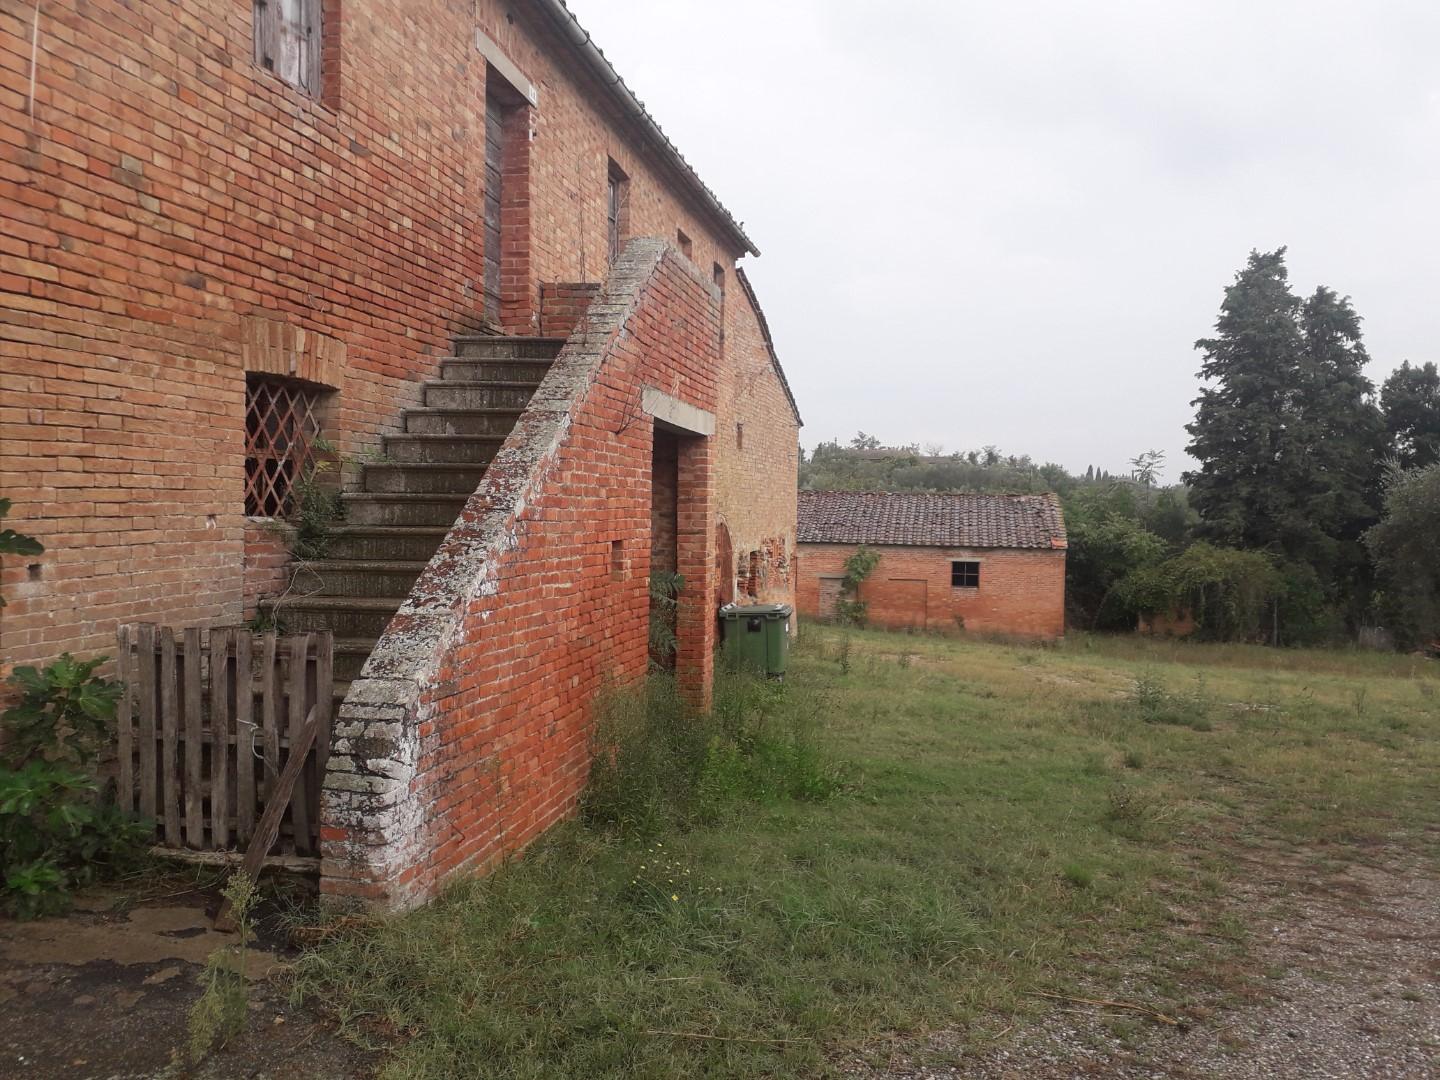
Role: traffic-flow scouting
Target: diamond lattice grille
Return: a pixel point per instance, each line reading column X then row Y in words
column 280, row 433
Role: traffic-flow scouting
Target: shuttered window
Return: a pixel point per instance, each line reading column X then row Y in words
column 616, row 211
column 287, row 41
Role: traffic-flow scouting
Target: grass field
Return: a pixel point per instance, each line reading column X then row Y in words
column 1013, row 821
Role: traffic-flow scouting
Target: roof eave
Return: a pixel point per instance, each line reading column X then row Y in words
column 579, row 41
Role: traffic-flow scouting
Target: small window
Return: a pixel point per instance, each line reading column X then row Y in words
column 686, row 247
column 739, row 436
column 287, row 41
column 617, row 207
column 965, row 575
column 281, row 430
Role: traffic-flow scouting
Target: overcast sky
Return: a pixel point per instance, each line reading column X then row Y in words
column 1007, row 223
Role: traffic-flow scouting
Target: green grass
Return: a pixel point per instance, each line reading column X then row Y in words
column 1012, row 820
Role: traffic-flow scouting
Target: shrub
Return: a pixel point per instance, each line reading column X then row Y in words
column 1227, row 590
column 220, row 1011
column 1157, row 705
column 850, row 610
column 56, row 830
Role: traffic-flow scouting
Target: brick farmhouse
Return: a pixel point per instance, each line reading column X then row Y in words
column 436, row 253
column 987, row 563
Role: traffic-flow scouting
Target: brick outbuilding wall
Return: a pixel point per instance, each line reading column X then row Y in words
column 466, row 735
column 172, row 216
column 1021, row 592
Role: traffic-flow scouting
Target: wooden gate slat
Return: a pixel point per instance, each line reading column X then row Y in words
column 194, row 787
column 246, row 739
column 221, row 726
column 324, row 707
column 170, row 738
column 145, row 683
column 269, row 720
column 124, row 721
column 299, row 704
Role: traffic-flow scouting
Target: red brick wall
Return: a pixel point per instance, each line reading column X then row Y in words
column 563, row 305
column 171, row 216
column 267, row 561
column 1022, row 591
column 466, row 735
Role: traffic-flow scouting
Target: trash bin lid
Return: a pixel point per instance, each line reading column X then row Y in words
column 768, row 611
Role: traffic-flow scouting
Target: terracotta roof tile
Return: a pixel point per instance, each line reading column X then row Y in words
column 926, row 520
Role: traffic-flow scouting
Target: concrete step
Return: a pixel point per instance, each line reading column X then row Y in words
column 419, row 478
column 478, row 395
column 489, row 347
column 350, row 657
column 385, row 542
column 374, row 508
column 459, row 449
column 353, row 577
column 345, row 616
column 525, row 371
column 461, row 421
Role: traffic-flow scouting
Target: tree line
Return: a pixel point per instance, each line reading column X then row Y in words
column 1313, row 512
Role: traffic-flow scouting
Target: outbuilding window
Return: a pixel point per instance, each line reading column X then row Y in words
column 281, row 429
column 964, row 575
column 288, row 41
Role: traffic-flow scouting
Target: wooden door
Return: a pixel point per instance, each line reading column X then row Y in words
column 830, row 592
column 494, row 172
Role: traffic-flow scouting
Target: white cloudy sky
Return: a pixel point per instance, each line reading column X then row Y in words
column 1006, row 223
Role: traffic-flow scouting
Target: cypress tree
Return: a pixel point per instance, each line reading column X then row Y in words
column 1286, row 430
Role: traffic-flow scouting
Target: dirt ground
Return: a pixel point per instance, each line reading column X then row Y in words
column 1344, row 964
column 105, row 991
column 1345, row 983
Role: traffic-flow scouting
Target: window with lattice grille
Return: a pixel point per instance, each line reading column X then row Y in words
column 281, row 427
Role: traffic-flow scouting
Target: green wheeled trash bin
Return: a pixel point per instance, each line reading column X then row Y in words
column 757, row 636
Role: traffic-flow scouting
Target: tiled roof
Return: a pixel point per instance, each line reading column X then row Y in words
column 924, row 520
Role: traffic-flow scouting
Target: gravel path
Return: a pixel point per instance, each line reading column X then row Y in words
column 1355, row 993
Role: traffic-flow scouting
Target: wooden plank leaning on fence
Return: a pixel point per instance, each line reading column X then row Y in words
column 279, row 799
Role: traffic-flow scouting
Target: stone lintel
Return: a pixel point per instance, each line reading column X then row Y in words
column 675, row 414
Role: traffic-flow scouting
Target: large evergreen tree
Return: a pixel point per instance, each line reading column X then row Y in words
column 1410, row 400
column 1238, row 433
column 1286, row 431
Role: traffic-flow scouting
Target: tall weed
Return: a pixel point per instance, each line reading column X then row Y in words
column 657, row 762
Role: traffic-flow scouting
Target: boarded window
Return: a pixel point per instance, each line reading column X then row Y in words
column 495, row 109
column 281, row 428
column 287, row 41
column 965, row 575
column 686, row 247
column 615, row 212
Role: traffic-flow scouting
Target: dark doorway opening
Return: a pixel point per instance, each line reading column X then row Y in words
column 665, row 583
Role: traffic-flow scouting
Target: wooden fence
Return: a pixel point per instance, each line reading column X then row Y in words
column 204, row 730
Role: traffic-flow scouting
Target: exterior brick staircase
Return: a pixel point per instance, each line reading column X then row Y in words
column 410, row 498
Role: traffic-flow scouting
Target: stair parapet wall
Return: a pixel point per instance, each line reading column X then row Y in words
column 467, row 733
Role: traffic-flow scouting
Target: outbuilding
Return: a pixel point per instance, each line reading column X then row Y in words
column 980, row 562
